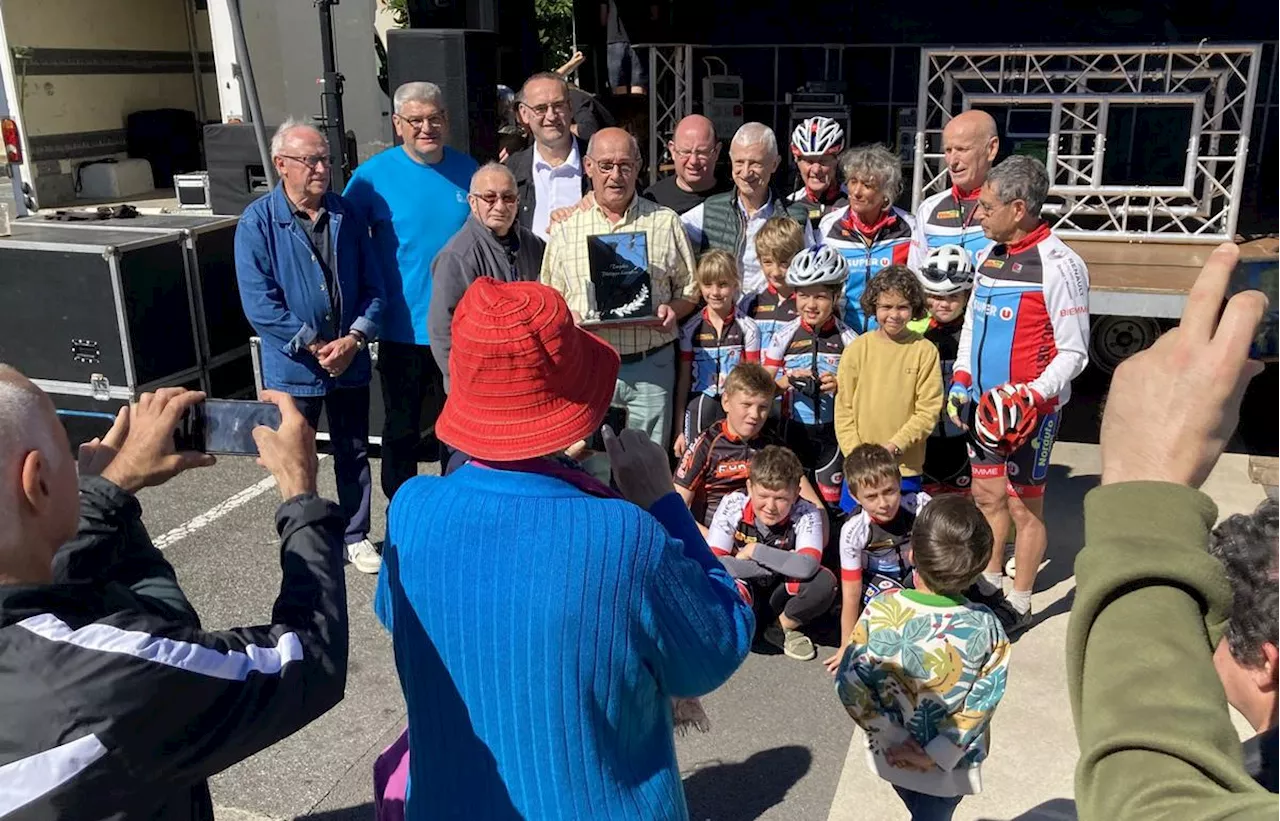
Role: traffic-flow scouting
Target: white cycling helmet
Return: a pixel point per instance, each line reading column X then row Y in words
column 819, row 265
column 817, row 136
column 948, row 269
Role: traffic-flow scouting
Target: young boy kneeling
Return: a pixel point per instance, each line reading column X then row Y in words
column 770, row 540
column 875, row 538
column 926, row 668
column 718, row 461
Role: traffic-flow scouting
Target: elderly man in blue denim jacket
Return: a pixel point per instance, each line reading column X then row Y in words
column 312, row 289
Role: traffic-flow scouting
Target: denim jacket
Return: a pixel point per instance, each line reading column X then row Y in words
column 286, row 300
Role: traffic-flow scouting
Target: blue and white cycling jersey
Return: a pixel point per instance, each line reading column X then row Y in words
column 713, row 355
column 947, row 218
column 798, row 347
column 866, row 249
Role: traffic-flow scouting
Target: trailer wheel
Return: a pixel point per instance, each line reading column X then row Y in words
column 1116, row 338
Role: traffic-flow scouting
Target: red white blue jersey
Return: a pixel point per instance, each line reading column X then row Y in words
column 1027, row 320
column 947, row 218
column 866, row 249
column 770, row 310
column 712, row 354
column 734, row 527
column 798, row 347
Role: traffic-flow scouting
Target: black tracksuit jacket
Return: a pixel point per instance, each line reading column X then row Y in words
column 115, row 704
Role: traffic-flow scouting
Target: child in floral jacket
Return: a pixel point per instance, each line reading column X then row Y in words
column 925, row 668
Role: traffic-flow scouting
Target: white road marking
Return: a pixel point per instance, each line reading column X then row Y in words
column 216, row 512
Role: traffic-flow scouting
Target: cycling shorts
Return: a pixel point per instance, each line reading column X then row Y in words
column 1027, row 468
column 946, row 465
column 819, row 451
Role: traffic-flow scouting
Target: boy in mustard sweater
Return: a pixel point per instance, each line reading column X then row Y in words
column 890, row 378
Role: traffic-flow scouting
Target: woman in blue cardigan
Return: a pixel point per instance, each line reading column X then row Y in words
column 543, row 622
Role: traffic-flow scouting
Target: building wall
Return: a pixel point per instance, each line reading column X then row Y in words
column 82, row 67
column 284, row 47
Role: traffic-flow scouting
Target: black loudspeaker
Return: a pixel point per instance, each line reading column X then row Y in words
column 236, row 174
column 168, row 138
column 464, row 64
column 452, row 14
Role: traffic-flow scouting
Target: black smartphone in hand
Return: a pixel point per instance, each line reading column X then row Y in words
column 615, row 418
column 224, row 426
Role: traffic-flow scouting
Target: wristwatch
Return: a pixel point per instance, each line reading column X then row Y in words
column 361, row 342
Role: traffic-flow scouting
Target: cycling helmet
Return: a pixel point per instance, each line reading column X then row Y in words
column 1006, row 418
column 817, row 136
column 819, row 265
column 947, row 269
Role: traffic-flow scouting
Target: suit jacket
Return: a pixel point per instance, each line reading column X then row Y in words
column 521, row 165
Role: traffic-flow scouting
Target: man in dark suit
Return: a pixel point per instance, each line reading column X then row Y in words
column 549, row 172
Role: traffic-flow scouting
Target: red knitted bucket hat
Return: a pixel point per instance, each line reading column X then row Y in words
column 524, row 381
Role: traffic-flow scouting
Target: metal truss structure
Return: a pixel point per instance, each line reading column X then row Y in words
column 1215, row 85
column 670, row 98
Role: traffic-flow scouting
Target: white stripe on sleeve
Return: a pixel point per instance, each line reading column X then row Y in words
column 28, row 779
column 231, row 665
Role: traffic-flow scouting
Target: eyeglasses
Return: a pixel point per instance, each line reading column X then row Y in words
column 490, row 198
column 558, row 106
column 698, row 154
column 311, row 162
column 625, row 169
column 435, row 122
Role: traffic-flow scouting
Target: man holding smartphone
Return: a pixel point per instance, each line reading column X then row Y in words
column 117, row 704
column 312, row 288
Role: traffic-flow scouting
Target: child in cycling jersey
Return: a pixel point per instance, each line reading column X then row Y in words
column 777, row 243
column 770, row 540
column 712, row 343
column 946, row 277
column 803, row 357
column 890, row 378
column 719, row 461
column 875, row 539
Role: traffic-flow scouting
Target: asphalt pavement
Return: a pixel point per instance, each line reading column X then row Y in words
column 780, row 747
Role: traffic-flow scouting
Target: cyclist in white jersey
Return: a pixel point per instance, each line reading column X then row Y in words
column 816, row 144
column 970, row 144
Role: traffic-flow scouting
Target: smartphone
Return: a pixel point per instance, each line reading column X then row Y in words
column 224, row 426
column 1260, row 275
column 615, row 418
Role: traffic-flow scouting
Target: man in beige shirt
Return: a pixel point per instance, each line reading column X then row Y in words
column 648, row 373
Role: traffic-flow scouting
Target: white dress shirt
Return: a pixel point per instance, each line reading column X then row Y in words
column 753, row 279
column 554, row 187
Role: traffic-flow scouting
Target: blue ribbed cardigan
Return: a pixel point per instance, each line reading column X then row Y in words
column 540, row 634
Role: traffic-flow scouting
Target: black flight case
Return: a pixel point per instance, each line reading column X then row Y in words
column 96, row 315
column 222, row 331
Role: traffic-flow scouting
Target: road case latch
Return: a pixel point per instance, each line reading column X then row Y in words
column 100, row 387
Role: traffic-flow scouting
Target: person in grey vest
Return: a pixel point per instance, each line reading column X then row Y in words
column 729, row 221
column 490, row 244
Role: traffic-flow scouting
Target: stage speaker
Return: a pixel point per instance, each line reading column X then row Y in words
column 236, row 174
column 453, row 14
column 464, row 64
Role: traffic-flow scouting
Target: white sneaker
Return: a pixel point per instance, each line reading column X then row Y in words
column 364, row 556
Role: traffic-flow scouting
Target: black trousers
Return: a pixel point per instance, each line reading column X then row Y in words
column 412, row 396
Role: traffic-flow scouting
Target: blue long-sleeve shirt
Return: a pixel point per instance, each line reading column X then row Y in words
column 540, row 634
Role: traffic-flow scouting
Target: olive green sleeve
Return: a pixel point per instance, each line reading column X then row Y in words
column 1156, row 740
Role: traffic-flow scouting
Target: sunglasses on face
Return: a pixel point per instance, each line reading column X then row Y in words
column 491, row 199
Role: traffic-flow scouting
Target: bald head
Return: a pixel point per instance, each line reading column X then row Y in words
column 694, row 149
column 613, row 164
column 970, row 143
column 34, row 459
column 696, row 128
